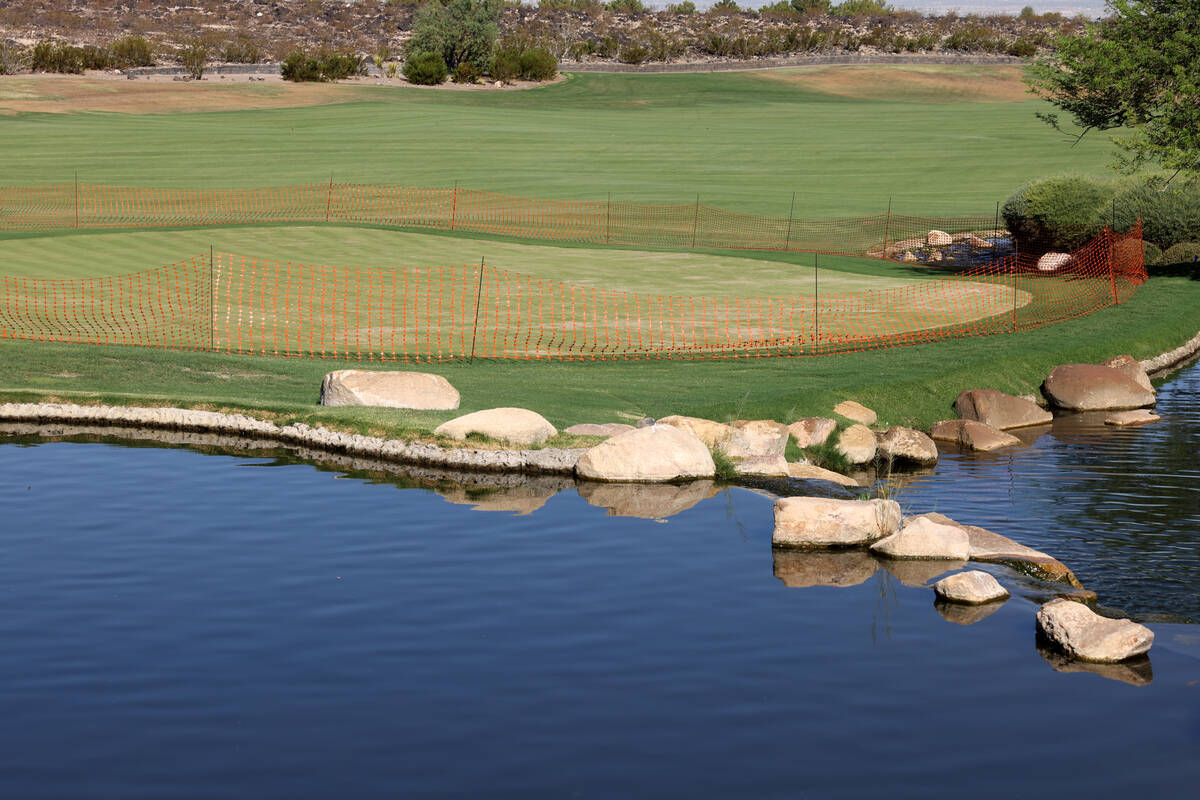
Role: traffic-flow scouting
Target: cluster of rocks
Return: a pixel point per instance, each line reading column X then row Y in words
column 938, row 247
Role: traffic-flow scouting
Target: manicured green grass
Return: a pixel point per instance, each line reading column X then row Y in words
column 735, row 139
column 913, row 386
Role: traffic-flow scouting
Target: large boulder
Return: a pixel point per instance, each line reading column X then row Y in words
column 812, row 431
column 924, row 538
column 972, row 587
column 518, row 426
column 1086, row 635
column 1094, row 387
column 1053, row 261
column 972, row 435
column 811, row 472
column 762, row 467
column 991, row 547
column 856, row 411
column 657, row 453
column 759, row 438
column 906, row 445
column 1000, row 410
column 711, row 433
column 1130, row 367
column 598, row 429
column 362, row 387
column 826, row 522
column 857, row 444
column 938, row 238
column 1121, row 419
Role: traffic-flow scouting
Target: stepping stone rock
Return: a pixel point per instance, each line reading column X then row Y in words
column 804, row 568
column 707, row 431
column 923, row 538
column 993, row 548
column 856, row 411
column 1000, row 410
column 857, row 444
column 1052, row 261
column 598, row 429
column 1130, row 367
column 1139, row 417
column 361, row 387
column 973, row 588
column 826, row 522
column 979, row 244
column 906, row 444
column 809, row 472
column 1092, row 387
column 764, row 467
column 657, row 453
column 646, row 500
column 1084, row 634
column 972, row 435
column 938, row 238
column 760, row 438
column 513, row 425
column 812, row 431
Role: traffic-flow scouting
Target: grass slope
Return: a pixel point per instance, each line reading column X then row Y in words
column 913, row 386
column 738, row 140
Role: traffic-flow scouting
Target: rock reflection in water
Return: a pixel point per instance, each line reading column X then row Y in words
column 799, row 569
column 646, row 500
column 920, row 572
column 1135, row 672
column 964, row 614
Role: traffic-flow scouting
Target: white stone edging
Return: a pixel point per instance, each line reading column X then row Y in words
column 1172, row 357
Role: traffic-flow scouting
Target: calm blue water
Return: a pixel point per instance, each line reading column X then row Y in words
column 187, row 625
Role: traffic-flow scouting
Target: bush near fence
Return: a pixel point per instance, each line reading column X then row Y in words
column 235, row 304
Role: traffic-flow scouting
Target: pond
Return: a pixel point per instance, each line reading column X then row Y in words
column 182, row 623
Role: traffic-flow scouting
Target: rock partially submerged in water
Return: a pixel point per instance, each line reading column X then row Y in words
column 762, row 467
column 361, row 387
column 1084, row 634
column 925, row 539
column 827, row 522
column 972, row 435
column 999, row 410
column 992, row 548
column 514, row 425
column 1094, row 387
column 1141, row 416
column 972, row 588
column 657, row 453
column 810, row 472
column 906, row 445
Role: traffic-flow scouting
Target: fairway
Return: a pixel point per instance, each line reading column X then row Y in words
column 742, row 141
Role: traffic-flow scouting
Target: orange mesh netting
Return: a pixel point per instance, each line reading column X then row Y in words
column 237, row 304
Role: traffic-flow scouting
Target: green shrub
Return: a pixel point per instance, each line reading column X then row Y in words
column 633, row 53
column 194, row 58
column 1022, row 48
column 506, row 64
column 242, row 50
column 131, row 51
column 725, row 7
column 686, row 7
column 1151, row 253
column 1184, row 252
column 861, row 8
column 335, row 66
column 300, row 67
column 10, row 59
column 1169, row 215
column 607, row 47
column 811, row 6
column 50, row 57
column 322, row 66
column 1060, row 214
column 425, row 69
column 94, row 57
column 626, row 6
column 538, row 64
column 457, row 30
column 466, row 72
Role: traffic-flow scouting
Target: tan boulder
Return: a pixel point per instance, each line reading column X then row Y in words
column 762, row 467
column 1130, row 367
column 657, row 453
column 979, row 244
column 707, row 431
column 906, row 445
column 598, row 429
column 826, row 522
column 1086, row 635
column 855, row 411
column 812, row 431
column 513, row 425
column 938, row 238
column 1092, row 387
column 925, row 539
column 1053, row 261
column 646, row 500
column 991, row 547
column 805, row 568
column 908, row 256
column 759, row 438
column 362, row 387
column 972, row 435
column 1000, row 410
column 810, row 472
column 857, row 444
column 1123, row 418
column 972, row 587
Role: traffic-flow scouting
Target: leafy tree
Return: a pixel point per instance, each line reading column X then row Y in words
column 457, row 30
column 1138, row 68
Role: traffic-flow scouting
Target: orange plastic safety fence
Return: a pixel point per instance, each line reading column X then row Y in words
column 239, row 304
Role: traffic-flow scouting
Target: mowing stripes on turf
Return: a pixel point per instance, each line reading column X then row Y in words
column 237, row 304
